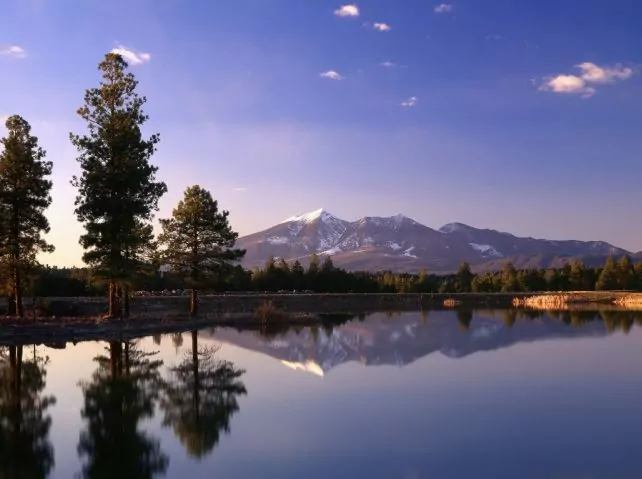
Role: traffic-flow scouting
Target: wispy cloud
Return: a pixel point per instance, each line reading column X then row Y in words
column 382, row 27
column 497, row 38
column 388, row 64
column 240, row 190
column 582, row 83
column 134, row 57
column 14, row 51
column 594, row 74
column 444, row 8
column 347, row 11
column 331, row 75
column 410, row 102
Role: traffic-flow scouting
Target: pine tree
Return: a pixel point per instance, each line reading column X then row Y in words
column 313, row 267
column 608, row 279
column 198, row 240
column 24, row 196
column 576, row 276
column 509, row 278
column 298, row 274
column 626, row 274
column 117, row 190
column 464, row 278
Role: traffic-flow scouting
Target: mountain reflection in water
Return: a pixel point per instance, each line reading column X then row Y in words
column 230, row 403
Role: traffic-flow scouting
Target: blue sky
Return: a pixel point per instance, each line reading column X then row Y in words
column 523, row 116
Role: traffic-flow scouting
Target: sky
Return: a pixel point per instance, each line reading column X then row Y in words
column 522, row 116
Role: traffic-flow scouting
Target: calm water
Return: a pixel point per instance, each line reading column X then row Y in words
column 445, row 395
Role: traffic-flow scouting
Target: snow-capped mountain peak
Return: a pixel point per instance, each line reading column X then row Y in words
column 307, row 217
column 453, row 227
column 398, row 243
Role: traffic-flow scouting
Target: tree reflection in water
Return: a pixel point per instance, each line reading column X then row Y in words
column 25, row 450
column 121, row 393
column 199, row 398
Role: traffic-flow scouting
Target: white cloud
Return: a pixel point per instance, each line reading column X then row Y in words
column 240, row 190
column 410, row 102
column 382, row 27
column 331, row 75
column 13, row 51
column 132, row 56
column 594, row 74
column 569, row 84
column 444, row 8
column 347, row 11
column 495, row 38
column 589, row 74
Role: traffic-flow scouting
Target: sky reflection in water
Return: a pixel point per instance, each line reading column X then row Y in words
column 443, row 394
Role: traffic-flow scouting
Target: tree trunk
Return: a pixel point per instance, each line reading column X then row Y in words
column 127, row 363
column 19, row 371
column 115, row 359
column 197, row 386
column 112, row 299
column 193, row 302
column 11, row 303
column 18, row 291
column 16, row 386
column 119, row 302
column 126, row 301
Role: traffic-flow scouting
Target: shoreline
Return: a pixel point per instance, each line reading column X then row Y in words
column 154, row 315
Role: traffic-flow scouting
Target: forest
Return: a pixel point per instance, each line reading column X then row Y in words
column 321, row 276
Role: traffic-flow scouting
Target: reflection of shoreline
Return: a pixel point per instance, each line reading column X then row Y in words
column 407, row 338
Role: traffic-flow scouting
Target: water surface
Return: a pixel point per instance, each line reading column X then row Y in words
column 435, row 395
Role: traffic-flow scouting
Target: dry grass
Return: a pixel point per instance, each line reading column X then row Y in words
column 451, row 303
column 267, row 312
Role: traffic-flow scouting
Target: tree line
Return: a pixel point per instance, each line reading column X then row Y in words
column 117, row 197
column 321, row 276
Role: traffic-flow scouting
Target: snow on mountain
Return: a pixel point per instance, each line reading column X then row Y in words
column 399, row 243
column 308, row 217
column 486, row 250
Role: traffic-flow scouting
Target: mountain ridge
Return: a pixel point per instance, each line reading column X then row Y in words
column 399, row 243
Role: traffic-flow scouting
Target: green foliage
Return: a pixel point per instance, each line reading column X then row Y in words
column 626, row 273
column 117, row 190
column 464, row 278
column 198, row 240
column 24, row 196
column 275, row 276
column 510, row 281
column 608, row 279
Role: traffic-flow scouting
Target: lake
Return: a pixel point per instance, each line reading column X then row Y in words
column 439, row 394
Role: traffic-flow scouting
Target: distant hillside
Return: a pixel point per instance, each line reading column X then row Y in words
column 399, row 243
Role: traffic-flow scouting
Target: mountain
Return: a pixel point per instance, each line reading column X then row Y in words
column 399, row 243
column 400, row 341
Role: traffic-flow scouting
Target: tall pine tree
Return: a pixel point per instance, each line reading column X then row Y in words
column 608, row 279
column 117, row 190
column 198, row 240
column 24, row 196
